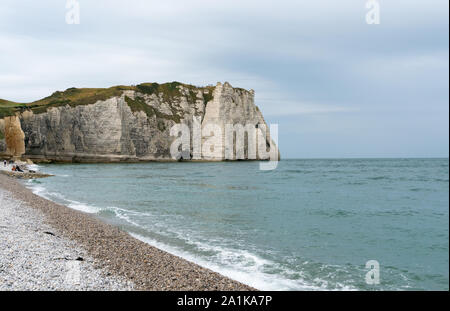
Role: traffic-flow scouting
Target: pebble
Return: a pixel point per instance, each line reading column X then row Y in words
column 132, row 264
column 31, row 259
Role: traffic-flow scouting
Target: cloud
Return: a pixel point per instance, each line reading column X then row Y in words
column 304, row 59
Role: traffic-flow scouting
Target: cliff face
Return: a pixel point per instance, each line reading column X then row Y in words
column 13, row 136
column 131, row 124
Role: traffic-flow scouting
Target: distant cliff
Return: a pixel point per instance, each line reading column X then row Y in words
column 122, row 123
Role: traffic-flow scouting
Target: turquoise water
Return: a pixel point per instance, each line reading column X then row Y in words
column 309, row 224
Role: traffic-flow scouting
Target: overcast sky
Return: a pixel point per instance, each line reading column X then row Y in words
column 337, row 86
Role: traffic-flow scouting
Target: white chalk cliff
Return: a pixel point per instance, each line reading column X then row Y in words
column 131, row 124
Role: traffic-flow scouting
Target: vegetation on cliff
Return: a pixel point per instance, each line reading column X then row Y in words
column 138, row 104
column 8, row 108
column 72, row 97
column 86, row 96
column 170, row 91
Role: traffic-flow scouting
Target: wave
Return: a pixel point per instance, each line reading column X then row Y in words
column 33, row 167
column 38, row 189
column 245, row 267
column 123, row 214
column 236, row 273
column 84, row 207
column 241, row 265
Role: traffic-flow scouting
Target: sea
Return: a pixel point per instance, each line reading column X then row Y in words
column 309, row 224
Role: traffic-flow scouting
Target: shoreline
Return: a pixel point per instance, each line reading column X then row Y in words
column 34, row 257
column 117, row 252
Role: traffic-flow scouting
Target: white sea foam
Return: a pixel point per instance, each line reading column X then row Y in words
column 38, row 190
column 241, row 266
column 41, row 191
column 84, row 207
column 33, row 167
column 122, row 214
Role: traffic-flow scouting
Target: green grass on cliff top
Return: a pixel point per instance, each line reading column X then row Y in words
column 86, row 96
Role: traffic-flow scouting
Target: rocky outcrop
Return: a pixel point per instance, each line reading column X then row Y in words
column 13, row 142
column 3, row 146
column 133, row 125
column 25, row 175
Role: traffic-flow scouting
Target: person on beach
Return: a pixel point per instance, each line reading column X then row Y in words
column 13, row 168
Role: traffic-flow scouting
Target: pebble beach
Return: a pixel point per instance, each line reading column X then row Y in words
column 47, row 246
